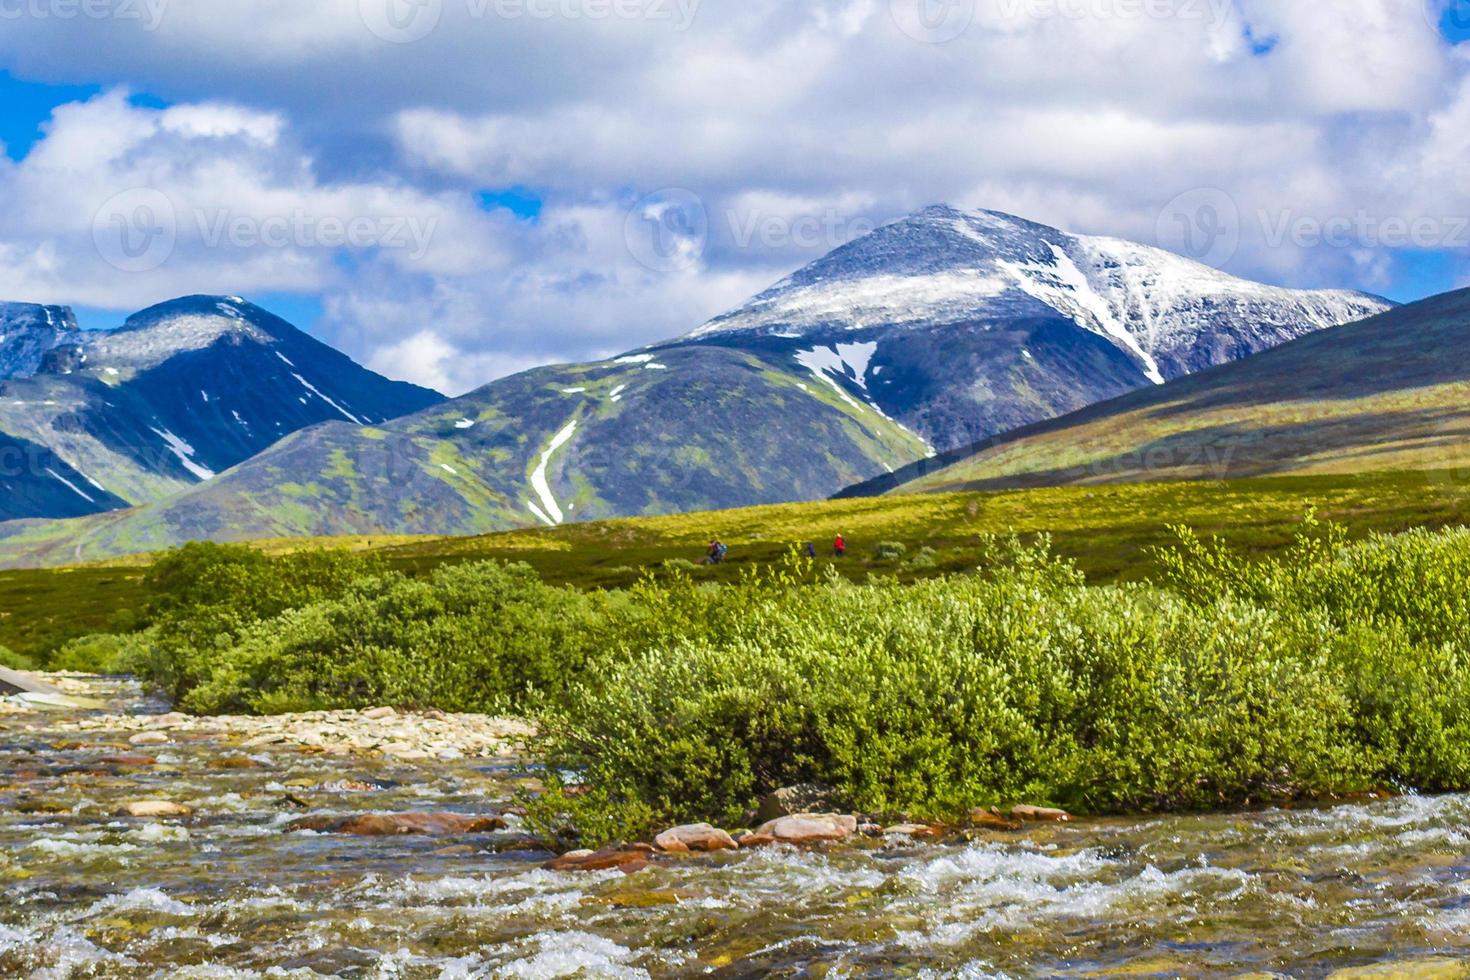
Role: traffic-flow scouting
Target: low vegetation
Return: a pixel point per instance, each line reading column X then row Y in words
column 1224, row 679
column 1110, row 532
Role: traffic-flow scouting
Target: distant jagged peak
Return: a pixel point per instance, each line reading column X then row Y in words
column 28, row 332
column 28, row 316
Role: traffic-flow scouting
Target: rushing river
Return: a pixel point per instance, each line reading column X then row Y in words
column 228, row 892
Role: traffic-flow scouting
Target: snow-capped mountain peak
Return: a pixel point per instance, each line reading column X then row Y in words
column 184, row 324
column 943, row 266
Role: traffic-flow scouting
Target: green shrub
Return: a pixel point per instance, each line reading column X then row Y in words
column 476, row 637
column 105, row 653
column 15, row 661
column 889, row 550
column 1247, row 685
column 679, row 565
column 925, row 558
column 208, row 595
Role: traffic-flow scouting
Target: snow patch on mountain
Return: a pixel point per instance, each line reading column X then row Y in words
column 1067, row 289
column 313, row 389
column 823, row 362
column 549, row 512
column 74, row 488
column 185, row 454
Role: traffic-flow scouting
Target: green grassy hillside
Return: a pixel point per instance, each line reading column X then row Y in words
column 1108, row 530
column 694, row 429
column 1388, row 393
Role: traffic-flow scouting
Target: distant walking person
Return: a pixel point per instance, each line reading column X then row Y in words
column 716, row 553
column 811, row 550
column 839, row 547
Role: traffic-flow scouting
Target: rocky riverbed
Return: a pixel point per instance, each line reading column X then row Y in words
column 135, row 842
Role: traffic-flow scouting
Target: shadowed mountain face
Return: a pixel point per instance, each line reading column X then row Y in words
column 179, row 393
column 1388, row 393
column 928, row 334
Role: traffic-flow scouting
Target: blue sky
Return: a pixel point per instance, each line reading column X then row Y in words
column 492, row 167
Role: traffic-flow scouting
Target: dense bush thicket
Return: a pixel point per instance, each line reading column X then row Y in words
column 13, row 660
column 1334, row 668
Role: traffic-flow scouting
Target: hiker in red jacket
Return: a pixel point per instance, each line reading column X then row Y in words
column 839, row 547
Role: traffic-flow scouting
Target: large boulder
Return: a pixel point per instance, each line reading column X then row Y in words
column 694, row 837
column 809, row 828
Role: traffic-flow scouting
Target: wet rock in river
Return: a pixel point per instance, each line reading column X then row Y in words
column 149, row 738
column 395, row 824
column 992, row 820
column 810, row 828
column 1039, row 814
column 377, row 714
column 153, row 808
column 128, row 759
column 627, row 858
column 694, row 837
column 914, row 830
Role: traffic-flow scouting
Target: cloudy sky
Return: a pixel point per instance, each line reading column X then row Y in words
column 454, row 190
